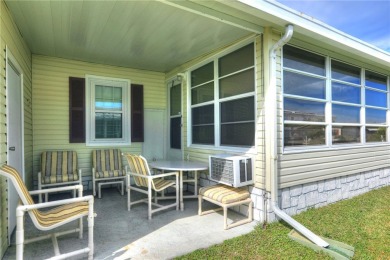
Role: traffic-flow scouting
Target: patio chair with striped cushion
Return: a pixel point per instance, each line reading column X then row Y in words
column 146, row 182
column 107, row 169
column 58, row 168
column 64, row 211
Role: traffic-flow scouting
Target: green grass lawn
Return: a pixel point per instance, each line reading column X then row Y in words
column 362, row 222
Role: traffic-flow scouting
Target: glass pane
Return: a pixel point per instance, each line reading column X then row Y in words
column 298, row 135
column 345, row 114
column 376, row 134
column 238, row 110
column 176, row 100
column 202, row 74
column 301, row 85
column 375, row 116
column 375, row 98
column 237, row 60
column 203, row 115
column 303, row 110
column 108, row 125
column 240, row 83
column 176, row 133
column 345, row 93
column 240, row 134
column 345, row 134
column 345, row 72
column 298, row 59
column 203, row 134
column 375, row 80
column 202, row 93
column 108, row 98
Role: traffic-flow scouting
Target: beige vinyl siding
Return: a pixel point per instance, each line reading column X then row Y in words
column 202, row 154
column 51, row 103
column 11, row 38
column 306, row 167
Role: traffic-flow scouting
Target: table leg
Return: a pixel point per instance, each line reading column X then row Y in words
column 181, row 191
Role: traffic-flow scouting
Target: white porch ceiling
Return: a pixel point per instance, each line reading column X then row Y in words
column 149, row 35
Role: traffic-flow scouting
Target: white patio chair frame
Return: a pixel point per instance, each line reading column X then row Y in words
column 52, row 185
column 150, row 178
column 30, row 208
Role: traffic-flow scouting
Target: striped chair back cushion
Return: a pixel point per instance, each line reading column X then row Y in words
column 44, row 218
column 59, row 166
column 138, row 165
column 107, row 163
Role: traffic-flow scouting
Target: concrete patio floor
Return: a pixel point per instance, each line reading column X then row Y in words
column 119, row 234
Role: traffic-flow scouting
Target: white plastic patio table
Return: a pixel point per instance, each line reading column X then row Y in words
column 182, row 166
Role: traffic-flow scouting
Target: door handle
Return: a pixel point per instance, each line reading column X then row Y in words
column 12, row 148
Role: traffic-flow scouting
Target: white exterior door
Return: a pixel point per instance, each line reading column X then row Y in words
column 14, row 135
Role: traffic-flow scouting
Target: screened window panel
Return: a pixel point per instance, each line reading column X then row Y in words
column 375, row 98
column 303, row 135
column 345, row 114
column 375, row 116
column 303, row 110
column 176, row 133
column 175, row 99
column 238, row 134
column 203, row 134
column 108, row 125
column 298, row 59
column 376, row 134
column 345, row 134
column 236, row 84
column 375, row 80
column 240, row 59
column 202, row 74
column 238, row 110
column 203, row 115
column 345, row 93
column 202, row 93
column 301, row 85
column 345, row 72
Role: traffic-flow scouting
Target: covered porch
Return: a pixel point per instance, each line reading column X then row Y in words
column 120, row 234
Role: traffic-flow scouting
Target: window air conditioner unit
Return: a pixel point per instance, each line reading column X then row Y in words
column 232, row 170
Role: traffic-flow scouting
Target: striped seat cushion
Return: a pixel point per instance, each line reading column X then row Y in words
column 107, row 163
column 62, row 213
column 224, row 194
column 160, row 184
column 59, row 166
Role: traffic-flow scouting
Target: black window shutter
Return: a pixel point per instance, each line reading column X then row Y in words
column 137, row 113
column 76, row 110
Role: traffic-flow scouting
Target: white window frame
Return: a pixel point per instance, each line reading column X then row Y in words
column 328, row 107
column 217, row 101
column 91, row 82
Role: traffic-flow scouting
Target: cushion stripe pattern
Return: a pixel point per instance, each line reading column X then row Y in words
column 107, row 163
column 50, row 217
column 59, row 166
column 224, row 194
column 139, row 165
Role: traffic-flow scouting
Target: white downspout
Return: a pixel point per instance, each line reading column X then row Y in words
column 274, row 154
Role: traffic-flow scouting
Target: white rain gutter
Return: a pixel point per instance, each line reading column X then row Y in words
column 274, row 155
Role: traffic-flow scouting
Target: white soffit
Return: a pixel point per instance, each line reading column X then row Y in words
column 149, row 35
column 281, row 15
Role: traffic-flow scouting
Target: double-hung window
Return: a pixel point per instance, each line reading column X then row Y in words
column 328, row 102
column 223, row 100
column 108, row 111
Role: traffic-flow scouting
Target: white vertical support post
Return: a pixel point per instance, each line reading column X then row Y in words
column 149, row 198
column 177, row 191
column 128, row 192
column 91, row 222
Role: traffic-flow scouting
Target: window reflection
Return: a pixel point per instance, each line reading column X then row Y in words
column 301, row 135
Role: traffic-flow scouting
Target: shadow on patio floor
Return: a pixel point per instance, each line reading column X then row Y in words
column 170, row 233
